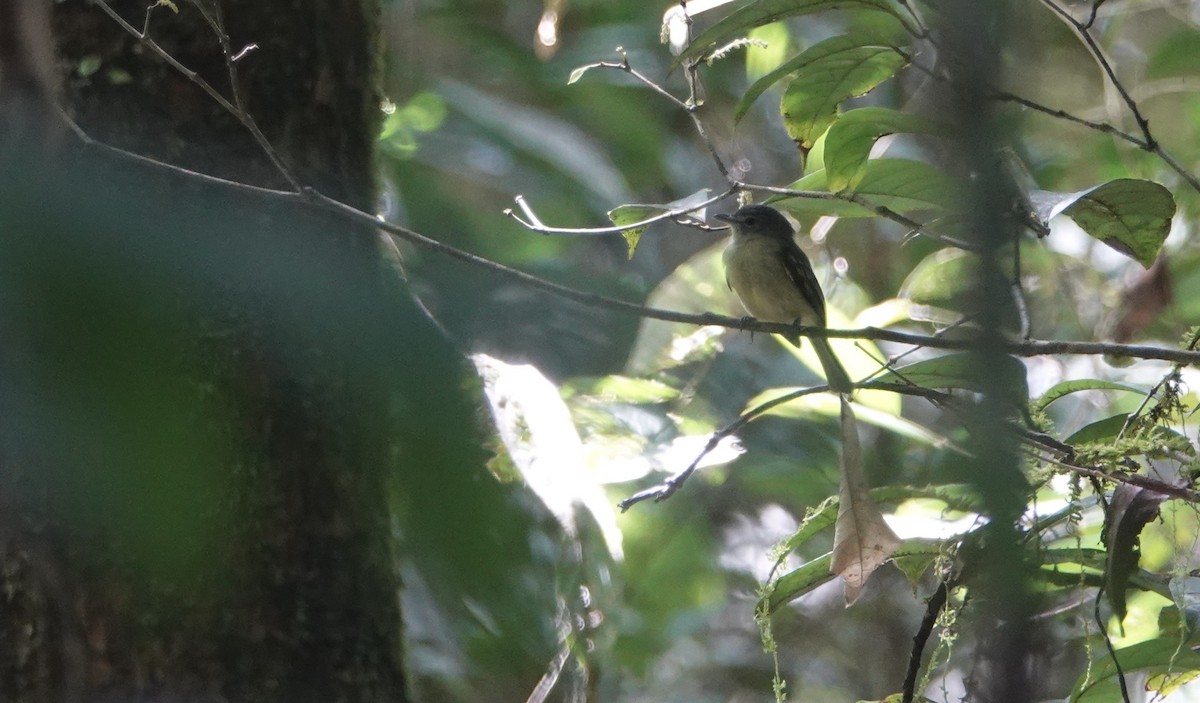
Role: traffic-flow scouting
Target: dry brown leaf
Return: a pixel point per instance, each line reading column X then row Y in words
column 862, row 541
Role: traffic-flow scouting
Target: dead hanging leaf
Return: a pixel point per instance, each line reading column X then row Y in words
column 862, row 541
column 1130, row 509
column 1144, row 301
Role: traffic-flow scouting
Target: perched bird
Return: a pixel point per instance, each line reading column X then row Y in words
column 775, row 281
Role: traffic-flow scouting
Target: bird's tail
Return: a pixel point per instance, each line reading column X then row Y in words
column 835, row 375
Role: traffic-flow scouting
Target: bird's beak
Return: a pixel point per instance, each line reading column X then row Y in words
column 724, row 217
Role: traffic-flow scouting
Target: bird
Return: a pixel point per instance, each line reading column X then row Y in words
column 775, row 282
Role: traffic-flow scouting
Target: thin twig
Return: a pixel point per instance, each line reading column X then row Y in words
column 933, row 607
column 534, row 224
column 1148, row 142
column 242, row 116
column 857, row 199
column 671, row 485
column 1112, row 653
column 1092, row 15
column 1097, row 53
column 1024, row 348
column 1173, row 374
column 1102, row 127
column 667, row 488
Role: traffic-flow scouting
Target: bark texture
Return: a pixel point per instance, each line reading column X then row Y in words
column 198, row 384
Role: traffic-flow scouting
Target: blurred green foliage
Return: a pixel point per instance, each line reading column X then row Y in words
column 682, row 605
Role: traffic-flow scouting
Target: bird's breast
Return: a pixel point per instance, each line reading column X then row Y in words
column 755, row 270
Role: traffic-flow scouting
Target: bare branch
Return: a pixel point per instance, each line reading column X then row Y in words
column 533, row 223
column 230, row 107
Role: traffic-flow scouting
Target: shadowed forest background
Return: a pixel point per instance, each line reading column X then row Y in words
column 256, row 445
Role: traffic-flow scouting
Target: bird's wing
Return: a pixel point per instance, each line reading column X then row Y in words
column 800, row 271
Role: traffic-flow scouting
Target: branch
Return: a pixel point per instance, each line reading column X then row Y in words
column 1024, row 348
column 1148, row 142
column 667, row 488
column 1085, row 33
column 846, row 196
column 671, row 485
column 534, row 224
column 932, row 608
column 242, row 116
column 1102, row 127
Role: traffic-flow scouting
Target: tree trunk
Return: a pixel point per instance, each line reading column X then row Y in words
column 198, row 383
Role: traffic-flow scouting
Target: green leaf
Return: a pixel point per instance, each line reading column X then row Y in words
column 1157, row 656
column 823, row 54
column 810, row 101
column 633, row 213
column 1105, row 432
column 1101, row 431
column 961, row 371
column 956, row 497
column 1066, row 388
column 88, row 65
column 850, row 139
column 900, row 185
column 1176, row 55
column 1130, row 215
column 627, row 215
column 578, row 73
column 622, row 389
column 760, row 12
column 914, row 558
column 941, row 279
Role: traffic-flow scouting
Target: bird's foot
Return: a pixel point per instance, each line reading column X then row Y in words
column 746, row 321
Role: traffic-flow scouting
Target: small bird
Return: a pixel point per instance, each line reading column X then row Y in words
column 775, row 281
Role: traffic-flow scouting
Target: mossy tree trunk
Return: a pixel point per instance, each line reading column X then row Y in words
column 199, row 385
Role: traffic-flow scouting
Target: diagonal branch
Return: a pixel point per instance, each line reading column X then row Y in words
column 236, row 110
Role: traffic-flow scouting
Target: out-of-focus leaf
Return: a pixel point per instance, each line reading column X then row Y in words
column 1065, row 388
column 760, row 12
column 902, row 426
column 794, row 584
column 887, row 418
column 1130, row 215
column 914, row 557
column 1185, row 592
column 543, row 135
column 901, row 185
column 941, row 279
column 850, row 138
column 578, row 72
column 536, row 428
column 1129, row 510
column 810, row 101
column 629, row 214
column 862, row 541
column 961, row 371
column 1157, row 656
column 1144, row 301
column 623, row 389
column 1176, row 55
column 88, row 65
column 956, row 496
column 816, row 58
column 1163, row 685
column 633, row 213
column 1105, row 432
column 761, row 60
column 1101, row 431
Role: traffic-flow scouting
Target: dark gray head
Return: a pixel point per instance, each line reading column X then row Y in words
column 759, row 219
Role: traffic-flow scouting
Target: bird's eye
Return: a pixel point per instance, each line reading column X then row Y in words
column 749, row 221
